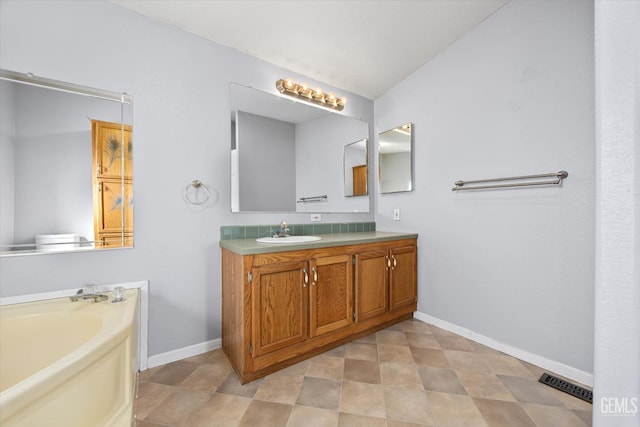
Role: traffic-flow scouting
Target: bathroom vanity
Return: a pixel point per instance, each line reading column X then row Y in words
column 284, row 303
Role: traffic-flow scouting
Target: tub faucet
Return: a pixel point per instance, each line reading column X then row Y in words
column 284, row 230
column 88, row 292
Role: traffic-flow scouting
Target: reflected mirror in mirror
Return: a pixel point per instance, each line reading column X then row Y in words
column 395, row 159
column 66, row 167
column 355, row 169
column 288, row 156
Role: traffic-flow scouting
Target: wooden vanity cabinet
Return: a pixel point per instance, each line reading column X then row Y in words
column 280, row 308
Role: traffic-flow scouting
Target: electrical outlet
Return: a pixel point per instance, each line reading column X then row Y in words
column 316, row 217
column 396, row 214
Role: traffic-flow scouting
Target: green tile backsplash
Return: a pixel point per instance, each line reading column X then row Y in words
column 235, row 232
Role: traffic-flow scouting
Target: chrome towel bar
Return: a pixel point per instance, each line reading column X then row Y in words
column 323, row 198
column 559, row 176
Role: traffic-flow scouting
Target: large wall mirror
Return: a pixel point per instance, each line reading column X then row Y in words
column 395, row 159
column 288, row 156
column 66, row 162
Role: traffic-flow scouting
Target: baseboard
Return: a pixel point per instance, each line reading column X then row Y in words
column 184, row 352
column 551, row 365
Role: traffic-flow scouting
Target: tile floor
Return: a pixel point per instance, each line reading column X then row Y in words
column 410, row 374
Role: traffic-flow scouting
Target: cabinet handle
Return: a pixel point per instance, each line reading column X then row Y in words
column 395, row 262
column 306, row 277
column 315, row 275
column 388, row 262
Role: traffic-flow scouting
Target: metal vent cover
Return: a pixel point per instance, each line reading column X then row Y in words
column 567, row 387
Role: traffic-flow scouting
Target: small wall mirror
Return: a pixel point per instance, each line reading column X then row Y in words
column 355, row 169
column 395, row 159
column 66, row 167
column 289, row 156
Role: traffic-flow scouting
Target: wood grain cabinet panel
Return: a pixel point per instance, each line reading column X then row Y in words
column 283, row 307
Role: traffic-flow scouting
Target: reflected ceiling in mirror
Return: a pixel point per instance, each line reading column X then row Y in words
column 287, row 156
column 395, row 159
column 66, row 162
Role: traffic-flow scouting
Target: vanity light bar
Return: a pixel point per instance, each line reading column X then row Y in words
column 302, row 91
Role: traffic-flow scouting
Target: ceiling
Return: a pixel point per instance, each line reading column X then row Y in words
column 361, row 46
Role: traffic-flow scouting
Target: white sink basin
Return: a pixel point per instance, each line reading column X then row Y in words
column 288, row 239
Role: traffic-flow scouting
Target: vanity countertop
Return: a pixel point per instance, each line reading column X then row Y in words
column 250, row 246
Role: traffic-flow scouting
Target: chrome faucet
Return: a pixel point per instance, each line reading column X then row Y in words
column 89, row 292
column 284, row 230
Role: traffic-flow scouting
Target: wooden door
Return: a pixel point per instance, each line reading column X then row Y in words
column 403, row 282
column 113, row 210
column 279, row 306
column 110, row 153
column 112, row 170
column 359, row 180
column 372, row 284
column 330, row 293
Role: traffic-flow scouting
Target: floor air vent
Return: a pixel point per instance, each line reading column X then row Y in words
column 567, row 387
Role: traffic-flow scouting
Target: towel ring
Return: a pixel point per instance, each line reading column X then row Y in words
column 191, row 192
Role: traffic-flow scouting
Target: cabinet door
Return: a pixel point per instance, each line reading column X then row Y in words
column 403, row 280
column 331, row 294
column 372, row 284
column 279, row 300
column 112, row 149
column 112, row 210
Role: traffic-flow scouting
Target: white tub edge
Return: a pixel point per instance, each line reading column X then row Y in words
column 143, row 333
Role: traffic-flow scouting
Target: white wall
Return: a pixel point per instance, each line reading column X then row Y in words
column 512, row 97
column 180, row 88
column 7, row 162
column 617, row 291
column 266, row 147
column 320, row 153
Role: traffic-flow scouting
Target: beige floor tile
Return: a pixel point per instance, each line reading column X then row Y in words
column 299, row 368
column 320, row 393
column 174, row 373
column 444, row 380
column 362, row 371
column 394, row 423
column 394, row 353
column 571, row 402
column 145, row 375
column 266, row 414
column 485, row 385
column 415, row 326
column 369, row 339
column 505, row 414
column 336, row 352
column 585, row 416
column 430, row 357
column 222, row 410
column 506, row 365
column 232, row 386
column 304, row 416
column 150, row 395
column 326, row 367
column 422, row 340
column 148, row 424
column 207, row 377
column 408, row 405
column 387, row 336
column 361, row 351
column 176, row 409
column 481, row 348
column 550, row 416
column 280, row 388
column 362, row 399
column 529, row 391
column 453, row 410
column 442, row 332
column 454, row 343
column 467, row 361
column 400, row 375
column 353, row 420
column 218, row 357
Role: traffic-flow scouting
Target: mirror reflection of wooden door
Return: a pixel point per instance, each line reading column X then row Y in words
column 112, row 189
column 359, row 180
